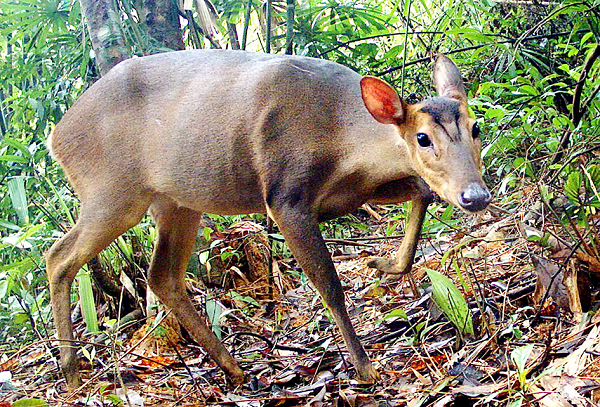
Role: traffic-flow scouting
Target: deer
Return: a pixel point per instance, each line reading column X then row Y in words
column 227, row 132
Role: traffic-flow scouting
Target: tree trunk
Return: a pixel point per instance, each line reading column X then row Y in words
column 162, row 19
column 104, row 27
column 289, row 32
column 233, row 37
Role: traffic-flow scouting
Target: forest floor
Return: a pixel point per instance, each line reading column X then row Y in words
column 528, row 348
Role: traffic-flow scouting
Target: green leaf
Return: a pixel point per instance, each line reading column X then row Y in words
column 469, row 33
column 520, row 356
column 237, row 296
column 3, row 288
column 206, row 231
column 585, row 37
column 30, row 403
column 394, row 314
column 214, row 311
column 14, row 158
column 203, row 257
column 116, row 400
column 449, row 299
column 19, row 146
column 572, row 186
column 18, row 197
column 20, row 318
column 9, row 225
column 88, row 305
column 397, row 313
column 528, row 90
column 91, row 356
column 61, row 201
column 495, row 113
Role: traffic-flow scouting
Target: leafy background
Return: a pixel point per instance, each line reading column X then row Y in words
column 525, row 63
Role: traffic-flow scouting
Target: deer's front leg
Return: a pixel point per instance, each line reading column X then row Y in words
column 416, row 190
column 301, row 231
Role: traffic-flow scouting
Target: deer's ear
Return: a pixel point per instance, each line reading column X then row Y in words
column 447, row 79
column 382, row 101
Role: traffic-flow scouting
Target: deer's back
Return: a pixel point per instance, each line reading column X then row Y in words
column 203, row 126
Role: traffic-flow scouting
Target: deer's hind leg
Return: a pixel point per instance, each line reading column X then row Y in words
column 98, row 225
column 177, row 228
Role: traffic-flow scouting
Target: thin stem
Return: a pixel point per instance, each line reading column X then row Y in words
column 405, row 49
column 247, row 16
column 289, row 33
column 268, row 28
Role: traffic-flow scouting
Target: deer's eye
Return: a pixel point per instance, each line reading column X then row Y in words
column 423, row 140
column 475, row 130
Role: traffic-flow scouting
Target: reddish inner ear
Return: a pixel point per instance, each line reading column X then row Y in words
column 381, row 100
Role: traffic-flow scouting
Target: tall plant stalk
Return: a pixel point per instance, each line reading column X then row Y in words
column 268, row 26
column 289, row 21
column 247, row 16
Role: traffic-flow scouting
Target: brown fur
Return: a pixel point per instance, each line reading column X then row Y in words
column 232, row 132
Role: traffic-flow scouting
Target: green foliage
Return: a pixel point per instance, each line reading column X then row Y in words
column 234, row 295
column 214, row 311
column 450, row 300
column 88, row 305
column 581, row 188
column 30, row 403
column 393, row 315
column 519, row 356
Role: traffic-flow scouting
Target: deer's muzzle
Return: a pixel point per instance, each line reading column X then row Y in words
column 474, row 197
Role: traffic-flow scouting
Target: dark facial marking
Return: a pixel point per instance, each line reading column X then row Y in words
column 442, row 110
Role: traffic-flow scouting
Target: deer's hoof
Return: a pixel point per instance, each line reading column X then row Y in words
column 235, row 376
column 236, row 381
column 387, row 266
column 369, row 374
column 381, row 264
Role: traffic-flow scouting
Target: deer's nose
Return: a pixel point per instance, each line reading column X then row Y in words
column 474, row 197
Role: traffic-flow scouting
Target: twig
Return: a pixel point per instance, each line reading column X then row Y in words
column 474, row 47
column 574, row 156
column 373, row 37
column 577, row 110
column 187, row 368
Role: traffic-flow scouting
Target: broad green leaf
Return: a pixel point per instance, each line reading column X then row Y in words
column 520, row 355
column 469, row 33
column 8, row 225
column 88, row 305
column 397, row 313
column 572, row 186
column 30, row 403
column 449, row 299
column 529, row 90
column 214, row 311
column 495, row 113
column 203, row 257
column 18, row 197
column 394, row 314
column 19, row 146
column 206, row 231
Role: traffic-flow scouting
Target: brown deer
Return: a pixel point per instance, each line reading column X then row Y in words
column 232, row 132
